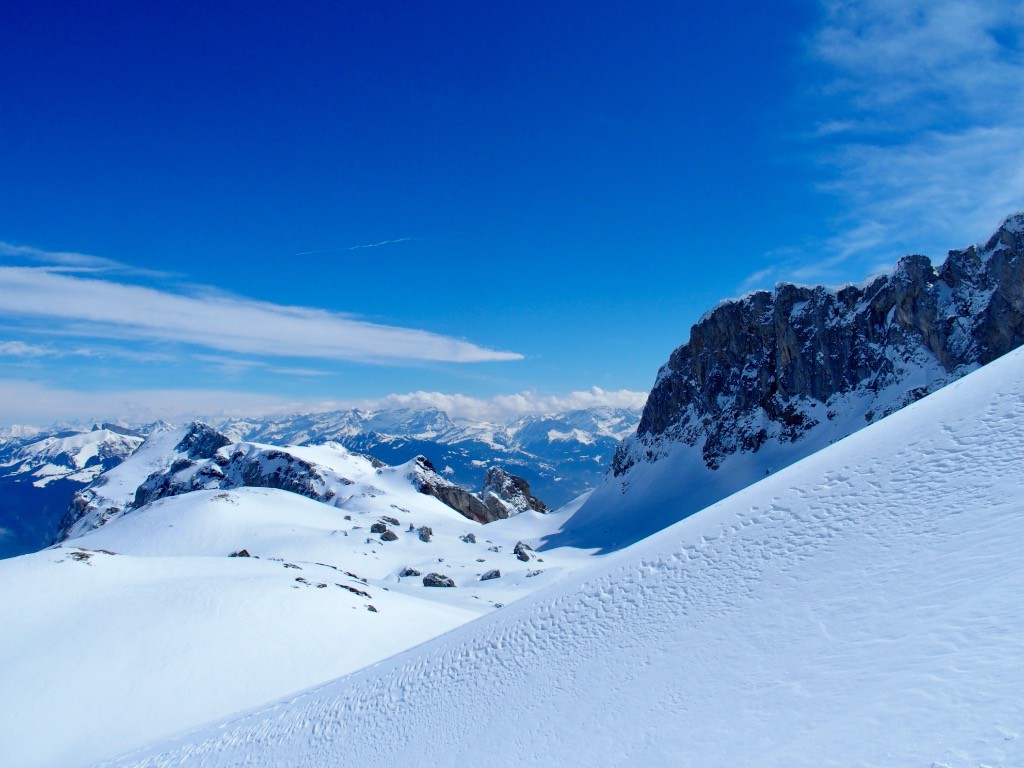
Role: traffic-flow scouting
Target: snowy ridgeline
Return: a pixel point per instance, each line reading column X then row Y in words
column 861, row 607
column 560, row 455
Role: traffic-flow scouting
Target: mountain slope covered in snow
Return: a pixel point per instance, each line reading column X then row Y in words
column 861, row 607
column 199, row 577
column 772, row 377
column 39, row 473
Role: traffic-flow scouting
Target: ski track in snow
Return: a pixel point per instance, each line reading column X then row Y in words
column 862, row 607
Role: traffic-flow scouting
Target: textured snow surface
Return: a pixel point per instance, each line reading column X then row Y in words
column 145, row 627
column 862, row 607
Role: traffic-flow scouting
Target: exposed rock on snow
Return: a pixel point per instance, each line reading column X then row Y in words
column 437, row 580
column 775, row 376
column 561, row 454
column 523, row 551
column 506, row 494
column 462, row 501
column 198, row 457
column 201, row 441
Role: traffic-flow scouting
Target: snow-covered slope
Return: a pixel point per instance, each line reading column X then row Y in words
column 39, row 472
column 864, row 606
column 776, row 375
column 232, row 574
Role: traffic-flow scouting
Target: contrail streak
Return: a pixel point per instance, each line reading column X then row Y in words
column 357, row 247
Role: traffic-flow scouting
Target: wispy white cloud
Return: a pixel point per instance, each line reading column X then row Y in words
column 357, row 247
column 922, row 120
column 21, row 349
column 111, row 309
column 32, row 402
column 506, row 407
column 26, row 350
column 234, row 366
column 70, row 261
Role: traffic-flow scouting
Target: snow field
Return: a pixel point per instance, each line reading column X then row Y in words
column 861, row 607
column 110, row 652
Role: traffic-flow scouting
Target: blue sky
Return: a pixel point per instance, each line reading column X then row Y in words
column 495, row 207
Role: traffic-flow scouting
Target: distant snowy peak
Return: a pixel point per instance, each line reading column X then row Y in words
column 562, row 455
column 76, row 456
column 17, row 431
column 432, row 424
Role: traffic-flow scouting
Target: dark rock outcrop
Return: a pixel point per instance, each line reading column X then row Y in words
column 437, row 580
column 504, row 492
column 202, row 441
column 522, row 551
column 462, row 501
column 492, row 574
column 770, row 378
column 245, row 465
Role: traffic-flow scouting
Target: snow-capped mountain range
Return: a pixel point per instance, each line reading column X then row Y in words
column 40, row 471
column 560, row 455
column 845, row 591
column 859, row 608
column 775, row 376
column 197, row 457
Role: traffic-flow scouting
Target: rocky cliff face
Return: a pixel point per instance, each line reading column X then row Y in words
column 774, row 376
column 427, row 481
column 503, row 494
column 505, row 491
column 768, row 366
column 113, row 493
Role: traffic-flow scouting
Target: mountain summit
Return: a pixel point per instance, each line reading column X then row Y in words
column 774, row 376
